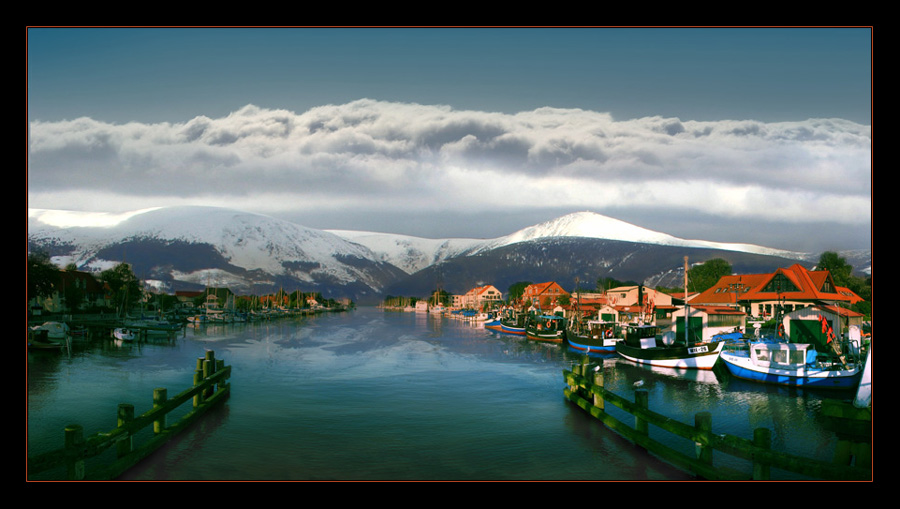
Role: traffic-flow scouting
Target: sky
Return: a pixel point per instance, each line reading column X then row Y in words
column 756, row 135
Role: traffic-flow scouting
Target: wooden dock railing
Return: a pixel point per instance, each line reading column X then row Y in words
column 585, row 389
column 210, row 387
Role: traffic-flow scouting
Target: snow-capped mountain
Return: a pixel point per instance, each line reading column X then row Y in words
column 193, row 247
column 413, row 254
column 208, row 246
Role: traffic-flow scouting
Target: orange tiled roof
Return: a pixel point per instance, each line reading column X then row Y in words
column 799, row 284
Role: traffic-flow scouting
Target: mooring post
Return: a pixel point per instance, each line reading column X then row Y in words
column 159, row 399
column 198, row 379
column 642, row 399
column 762, row 438
column 598, row 395
column 125, row 414
column 703, row 424
column 74, row 443
column 209, row 368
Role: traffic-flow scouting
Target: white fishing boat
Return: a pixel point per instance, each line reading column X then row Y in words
column 640, row 346
column 792, row 364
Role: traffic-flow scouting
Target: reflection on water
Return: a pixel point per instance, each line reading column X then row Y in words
column 390, row 395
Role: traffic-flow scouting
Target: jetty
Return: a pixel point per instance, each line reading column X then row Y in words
column 852, row 460
column 88, row 458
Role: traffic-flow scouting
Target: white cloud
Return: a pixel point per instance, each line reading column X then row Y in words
column 396, row 156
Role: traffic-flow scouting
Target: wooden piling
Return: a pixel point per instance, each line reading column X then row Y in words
column 584, row 392
column 209, row 388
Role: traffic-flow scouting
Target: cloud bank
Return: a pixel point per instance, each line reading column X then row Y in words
column 367, row 157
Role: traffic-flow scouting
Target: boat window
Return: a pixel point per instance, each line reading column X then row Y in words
column 780, row 356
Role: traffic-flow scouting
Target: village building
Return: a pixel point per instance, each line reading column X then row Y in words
column 74, row 290
column 707, row 321
column 481, row 297
column 457, row 301
column 637, row 295
column 186, row 298
column 821, row 324
column 543, row 294
column 788, row 289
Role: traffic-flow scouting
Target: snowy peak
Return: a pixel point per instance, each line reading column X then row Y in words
column 589, row 225
column 412, row 254
column 597, row 226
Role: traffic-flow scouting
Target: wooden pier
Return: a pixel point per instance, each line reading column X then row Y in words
column 585, row 388
column 210, row 387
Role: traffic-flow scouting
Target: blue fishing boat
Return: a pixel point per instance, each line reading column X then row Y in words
column 550, row 328
column 791, row 364
column 594, row 337
column 513, row 322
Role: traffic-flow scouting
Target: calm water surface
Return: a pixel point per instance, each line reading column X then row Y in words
column 374, row 395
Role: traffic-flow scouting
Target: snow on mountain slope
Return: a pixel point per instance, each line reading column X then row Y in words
column 246, row 240
column 410, row 254
column 255, row 241
column 413, row 253
column 593, row 225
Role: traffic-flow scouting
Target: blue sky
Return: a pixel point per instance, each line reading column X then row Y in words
column 481, row 91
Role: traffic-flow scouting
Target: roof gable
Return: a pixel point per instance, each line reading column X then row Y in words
column 794, row 282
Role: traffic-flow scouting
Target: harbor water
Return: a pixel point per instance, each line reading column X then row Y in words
column 379, row 395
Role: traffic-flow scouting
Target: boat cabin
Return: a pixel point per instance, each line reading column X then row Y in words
column 643, row 336
column 549, row 322
column 603, row 329
column 791, row 355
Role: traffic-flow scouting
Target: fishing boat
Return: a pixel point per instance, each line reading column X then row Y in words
column 550, row 328
column 792, row 364
column 493, row 323
column 594, row 337
column 640, row 345
column 513, row 323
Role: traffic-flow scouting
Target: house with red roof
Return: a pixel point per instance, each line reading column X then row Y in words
column 543, row 294
column 481, row 296
column 760, row 295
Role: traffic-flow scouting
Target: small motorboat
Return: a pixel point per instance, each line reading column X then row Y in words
column 792, row 364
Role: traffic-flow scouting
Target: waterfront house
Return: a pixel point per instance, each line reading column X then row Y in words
column 543, row 294
column 637, row 295
column 708, row 321
column 73, row 290
column 806, row 325
column 791, row 288
column 187, row 298
column 481, row 297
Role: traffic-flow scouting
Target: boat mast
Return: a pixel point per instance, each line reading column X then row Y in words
column 687, row 309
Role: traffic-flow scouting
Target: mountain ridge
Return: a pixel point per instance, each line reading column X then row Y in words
column 191, row 247
column 404, row 251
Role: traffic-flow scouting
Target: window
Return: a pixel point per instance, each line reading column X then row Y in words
column 780, row 284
